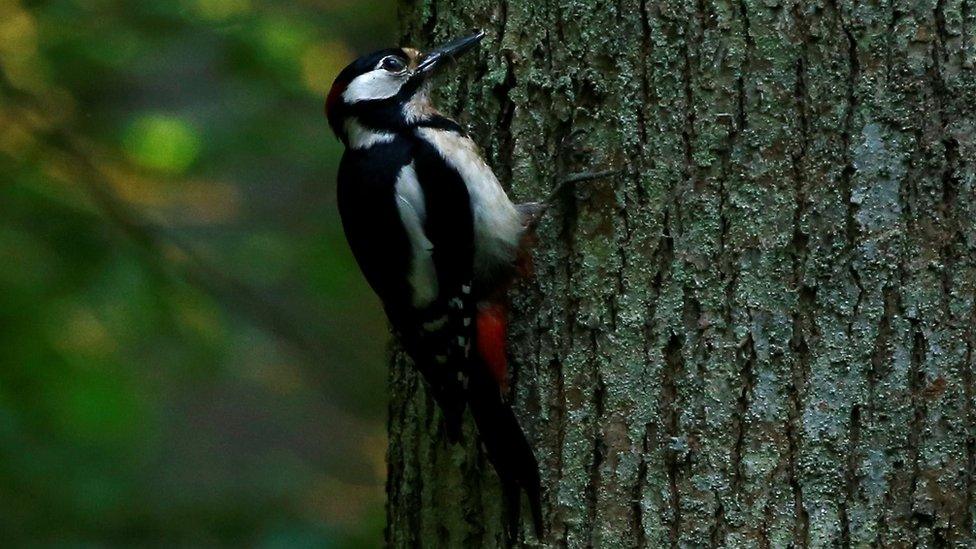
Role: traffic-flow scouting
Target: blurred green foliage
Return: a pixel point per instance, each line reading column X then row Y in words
column 188, row 355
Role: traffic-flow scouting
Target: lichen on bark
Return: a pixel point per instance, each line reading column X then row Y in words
column 762, row 331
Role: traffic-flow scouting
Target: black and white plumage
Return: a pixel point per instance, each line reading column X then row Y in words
column 437, row 239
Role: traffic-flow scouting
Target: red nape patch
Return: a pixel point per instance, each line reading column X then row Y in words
column 492, row 327
column 335, row 96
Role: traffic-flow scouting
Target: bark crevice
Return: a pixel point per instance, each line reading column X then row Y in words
column 763, row 333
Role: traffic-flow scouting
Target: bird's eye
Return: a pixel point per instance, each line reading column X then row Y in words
column 393, row 64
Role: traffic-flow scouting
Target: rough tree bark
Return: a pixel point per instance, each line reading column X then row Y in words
column 762, row 331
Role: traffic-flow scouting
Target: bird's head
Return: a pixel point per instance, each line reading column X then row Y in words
column 388, row 89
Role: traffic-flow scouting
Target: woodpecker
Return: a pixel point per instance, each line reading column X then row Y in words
column 439, row 241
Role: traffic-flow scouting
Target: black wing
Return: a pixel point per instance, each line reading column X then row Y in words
column 439, row 337
column 371, row 220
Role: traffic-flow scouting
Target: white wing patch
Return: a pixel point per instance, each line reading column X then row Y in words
column 413, row 213
column 375, row 84
column 497, row 223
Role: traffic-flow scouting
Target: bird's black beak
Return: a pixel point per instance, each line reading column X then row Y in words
column 437, row 57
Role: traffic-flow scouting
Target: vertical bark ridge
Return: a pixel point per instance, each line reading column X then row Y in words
column 761, row 332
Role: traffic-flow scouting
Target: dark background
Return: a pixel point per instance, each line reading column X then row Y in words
column 188, row 354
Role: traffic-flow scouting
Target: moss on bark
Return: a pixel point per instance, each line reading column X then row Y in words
column 763, row 333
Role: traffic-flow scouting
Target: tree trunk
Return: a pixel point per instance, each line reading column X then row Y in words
column 761, row 331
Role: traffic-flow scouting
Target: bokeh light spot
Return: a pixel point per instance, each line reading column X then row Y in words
column 218, row 10
column 321, row 62
column 162, row 143
column 18, row 47
column 281, row 41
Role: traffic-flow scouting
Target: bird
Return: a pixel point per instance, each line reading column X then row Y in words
column 440, row 242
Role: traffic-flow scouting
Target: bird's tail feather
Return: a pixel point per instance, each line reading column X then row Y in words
column 505, row 445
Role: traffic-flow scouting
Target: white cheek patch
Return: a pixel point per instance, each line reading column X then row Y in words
column 377, row 84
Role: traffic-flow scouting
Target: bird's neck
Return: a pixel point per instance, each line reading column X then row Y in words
column 362, row 136
column 419, row 108
column 376, row 126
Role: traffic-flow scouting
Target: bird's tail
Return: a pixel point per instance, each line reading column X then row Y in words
column 501, row 435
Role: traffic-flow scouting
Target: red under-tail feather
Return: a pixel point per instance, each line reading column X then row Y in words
column 506, row 447
column 492, row 327
column 502, row 436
